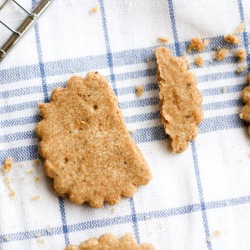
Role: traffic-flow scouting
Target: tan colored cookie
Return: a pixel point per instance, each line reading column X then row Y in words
column 245, row 113
column 110, row 242
column 180, row 100
column 85, row 145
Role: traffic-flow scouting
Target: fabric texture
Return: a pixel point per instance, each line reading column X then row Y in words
column 199, row 199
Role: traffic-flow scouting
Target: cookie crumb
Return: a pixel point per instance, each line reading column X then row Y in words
column 12, row 193
column 35, row 198
column 37, row 234
column 41, row 240
column 241, row 55
column 7, row 166
column 217, row 233
column 163, row 39
column 224, row 89
column 206, row 42
column 199, row 61
column 220, row 54
column 240, row 28
column 94, row 10
column 231, row 38
column 248, row 78
column 240, row 69
column 6, row 238
column 139, row 90
column 197, row 44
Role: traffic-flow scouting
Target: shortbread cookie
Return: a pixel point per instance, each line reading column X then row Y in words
column 85, row 145
column 180, row 100
column 110, row 242
column 245, row 114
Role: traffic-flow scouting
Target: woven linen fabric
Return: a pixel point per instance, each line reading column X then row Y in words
column 199, row 199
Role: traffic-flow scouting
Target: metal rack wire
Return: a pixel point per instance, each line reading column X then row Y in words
column 24, row 27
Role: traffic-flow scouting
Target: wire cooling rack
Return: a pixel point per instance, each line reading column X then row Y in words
column 17, row 34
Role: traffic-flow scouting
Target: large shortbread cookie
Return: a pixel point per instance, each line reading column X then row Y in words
column 180, row 100
column 110, row 242
column 85, row 145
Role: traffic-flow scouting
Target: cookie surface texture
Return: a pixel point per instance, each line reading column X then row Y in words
column 180, row 100
column 85, row 145
column 110, row 242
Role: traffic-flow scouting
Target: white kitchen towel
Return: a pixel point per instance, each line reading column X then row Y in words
column 199, row 199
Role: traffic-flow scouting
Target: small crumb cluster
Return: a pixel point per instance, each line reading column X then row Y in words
column 221, row 54
column 197, row 44
column 231, row 38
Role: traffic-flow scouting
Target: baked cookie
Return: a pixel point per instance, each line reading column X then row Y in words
column 110, row 242
column 180, row 100
column 245, row 113
column 85, row 145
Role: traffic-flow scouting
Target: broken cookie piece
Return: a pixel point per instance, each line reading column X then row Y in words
column 85, row 145
column 110, row 242
column 180, row 100
column 245, row 113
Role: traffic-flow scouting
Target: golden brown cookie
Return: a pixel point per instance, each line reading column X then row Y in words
column 85, row 145
column 180, row 100
column 110, row 242
column 245, row 113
